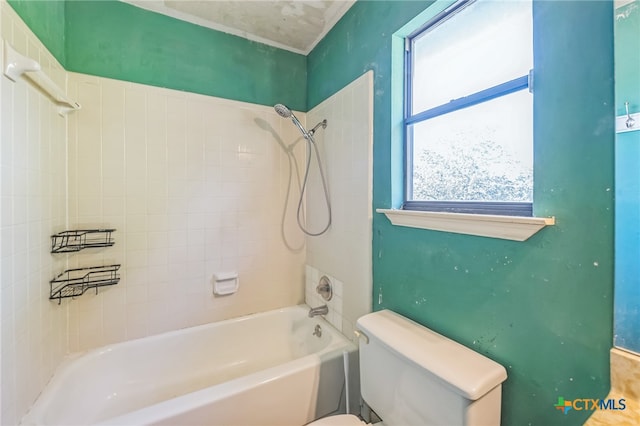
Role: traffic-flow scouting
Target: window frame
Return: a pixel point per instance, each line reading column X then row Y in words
column 409, row 119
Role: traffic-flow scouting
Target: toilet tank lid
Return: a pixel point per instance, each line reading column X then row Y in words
column 467, row 372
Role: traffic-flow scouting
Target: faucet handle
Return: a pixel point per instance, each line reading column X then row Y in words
column 324, row 288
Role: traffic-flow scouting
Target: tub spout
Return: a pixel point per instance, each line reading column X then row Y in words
column 320, row 310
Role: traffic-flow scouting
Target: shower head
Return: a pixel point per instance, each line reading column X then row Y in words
column 284, row 112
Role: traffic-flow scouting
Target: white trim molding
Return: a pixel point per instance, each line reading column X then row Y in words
column 516, row 228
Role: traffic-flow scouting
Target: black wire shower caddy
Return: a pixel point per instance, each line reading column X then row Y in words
column 75, row 282
column 71, row 241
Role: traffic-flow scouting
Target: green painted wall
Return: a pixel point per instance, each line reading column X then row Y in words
column 542, row 308
column 116, row 40
column 46, row 20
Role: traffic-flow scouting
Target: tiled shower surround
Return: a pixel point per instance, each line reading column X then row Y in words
column 346, row 146
column 193, row 185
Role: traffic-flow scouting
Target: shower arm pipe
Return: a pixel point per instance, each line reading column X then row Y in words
column 322, row 124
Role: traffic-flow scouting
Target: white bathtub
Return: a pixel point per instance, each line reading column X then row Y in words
column 262, row 369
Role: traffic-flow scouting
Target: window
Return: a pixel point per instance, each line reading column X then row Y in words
column 469, row 110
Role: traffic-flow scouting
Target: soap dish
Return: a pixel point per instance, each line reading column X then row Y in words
column 225, row 283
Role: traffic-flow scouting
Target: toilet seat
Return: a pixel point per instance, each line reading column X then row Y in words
column 339, row 420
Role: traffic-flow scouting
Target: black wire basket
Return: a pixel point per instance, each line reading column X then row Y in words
column 71, row 241
column 75, row 282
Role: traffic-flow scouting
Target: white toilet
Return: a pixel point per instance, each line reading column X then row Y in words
column 410, row 375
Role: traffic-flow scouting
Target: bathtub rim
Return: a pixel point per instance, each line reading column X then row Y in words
column 200, row 398
column 339, row 344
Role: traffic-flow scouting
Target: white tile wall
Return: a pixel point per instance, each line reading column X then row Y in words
column 32, row 198
column 344, row 252
column 194, row 185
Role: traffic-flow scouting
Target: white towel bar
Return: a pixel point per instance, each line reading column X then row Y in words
column 16, row 65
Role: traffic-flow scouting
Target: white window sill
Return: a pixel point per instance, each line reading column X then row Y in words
column 516, row 228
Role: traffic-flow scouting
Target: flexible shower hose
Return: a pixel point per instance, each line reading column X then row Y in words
column 312, row 143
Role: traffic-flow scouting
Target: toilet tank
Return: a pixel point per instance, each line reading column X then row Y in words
column 410, row 375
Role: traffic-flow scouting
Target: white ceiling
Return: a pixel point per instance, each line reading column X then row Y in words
column 292, row 25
